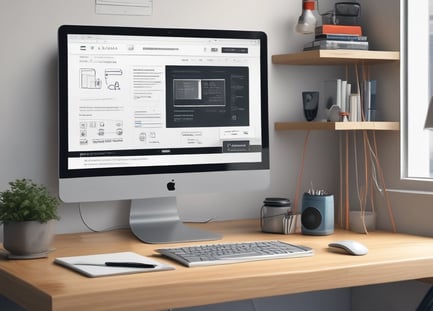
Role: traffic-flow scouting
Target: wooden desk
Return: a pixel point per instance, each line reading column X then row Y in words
column 41, row 285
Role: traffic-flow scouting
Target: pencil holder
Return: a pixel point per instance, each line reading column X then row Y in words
column 317, row 214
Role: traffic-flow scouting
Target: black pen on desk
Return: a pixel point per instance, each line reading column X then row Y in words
column 120, row 264
column 129, row 264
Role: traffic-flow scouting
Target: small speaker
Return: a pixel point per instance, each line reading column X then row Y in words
column 317, row 214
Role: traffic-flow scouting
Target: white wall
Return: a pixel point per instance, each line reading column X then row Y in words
column 28, row 109
column 29, row 98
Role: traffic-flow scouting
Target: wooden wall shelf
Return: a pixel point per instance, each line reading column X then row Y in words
column 337, row 126
column 336, row 57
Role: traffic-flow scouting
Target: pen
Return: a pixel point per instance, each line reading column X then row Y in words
column 122, row 264
column 129, row 264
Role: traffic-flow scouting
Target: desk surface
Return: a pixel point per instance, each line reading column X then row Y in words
column 41, row 285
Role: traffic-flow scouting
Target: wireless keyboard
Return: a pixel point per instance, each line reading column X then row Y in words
column 225, row 253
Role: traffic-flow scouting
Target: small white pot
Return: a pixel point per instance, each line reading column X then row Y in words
column 362, row 222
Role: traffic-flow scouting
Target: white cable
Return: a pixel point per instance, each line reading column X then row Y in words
column 373, row 167
column 356, row 167
column 95, row 230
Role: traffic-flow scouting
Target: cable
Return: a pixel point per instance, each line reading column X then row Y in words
column 95, row 230
column 84, row 221
column 355, row 150
column 346, row 183
column 374, row 160
column 301, row 172
column 340, row 149
column 382, row 178
column 361, row 192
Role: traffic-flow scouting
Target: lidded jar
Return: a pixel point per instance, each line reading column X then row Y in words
column 272, row 214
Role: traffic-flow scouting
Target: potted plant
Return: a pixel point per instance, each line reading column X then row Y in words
column 28, row 213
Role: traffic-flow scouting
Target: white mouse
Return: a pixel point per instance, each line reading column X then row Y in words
column 351, row 247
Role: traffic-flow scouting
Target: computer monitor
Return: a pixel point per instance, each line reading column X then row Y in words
column 146, row 114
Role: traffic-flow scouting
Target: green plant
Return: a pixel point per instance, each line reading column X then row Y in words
column 27, row 201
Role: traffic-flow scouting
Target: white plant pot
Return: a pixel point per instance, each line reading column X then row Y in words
column 28, row 238
column 362, row 222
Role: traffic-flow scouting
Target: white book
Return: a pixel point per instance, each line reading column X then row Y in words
column 343, row 95
column 358, row 108
column 339, row 93
column 348, row 92
column 355, row 108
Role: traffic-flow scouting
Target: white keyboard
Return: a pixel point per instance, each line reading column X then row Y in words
column 225, row 253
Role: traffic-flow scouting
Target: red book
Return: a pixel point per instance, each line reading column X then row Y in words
column 339, row 29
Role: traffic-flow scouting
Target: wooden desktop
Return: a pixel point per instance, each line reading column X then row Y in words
column 39, row 284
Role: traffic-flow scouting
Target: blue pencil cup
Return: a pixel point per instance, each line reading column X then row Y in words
column 317, row 214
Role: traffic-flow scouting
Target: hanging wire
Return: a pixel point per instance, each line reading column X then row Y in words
column 83, row 220
column 301, row 172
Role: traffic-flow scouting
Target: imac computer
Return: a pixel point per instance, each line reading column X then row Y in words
column 146, row 114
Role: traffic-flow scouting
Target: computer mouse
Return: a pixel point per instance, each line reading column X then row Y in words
column 350, row 247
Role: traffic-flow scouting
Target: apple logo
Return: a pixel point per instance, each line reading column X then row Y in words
column 171, row 185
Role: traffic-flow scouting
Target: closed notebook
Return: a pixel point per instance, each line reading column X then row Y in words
column 94, row 265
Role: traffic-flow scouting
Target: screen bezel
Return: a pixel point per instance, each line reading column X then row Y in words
column 65, row 30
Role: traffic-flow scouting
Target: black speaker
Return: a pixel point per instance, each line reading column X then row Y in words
column 317, row 214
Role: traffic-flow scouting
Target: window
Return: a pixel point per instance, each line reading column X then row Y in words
column 417, row 79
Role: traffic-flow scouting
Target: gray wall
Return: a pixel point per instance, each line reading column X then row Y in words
column 28, row 111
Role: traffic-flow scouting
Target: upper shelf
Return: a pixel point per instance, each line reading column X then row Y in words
column 336, row 57
column 338, row 126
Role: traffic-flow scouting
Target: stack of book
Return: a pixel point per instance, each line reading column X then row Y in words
column 332, row 37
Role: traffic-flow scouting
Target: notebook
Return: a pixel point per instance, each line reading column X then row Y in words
column 94, row 265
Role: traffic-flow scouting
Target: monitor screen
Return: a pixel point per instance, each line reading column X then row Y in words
column 149, row 113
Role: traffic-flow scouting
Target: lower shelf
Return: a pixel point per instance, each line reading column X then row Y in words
column 338, row 126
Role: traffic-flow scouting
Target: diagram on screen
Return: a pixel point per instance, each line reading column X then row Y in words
column 111, row 78
column 89, row 79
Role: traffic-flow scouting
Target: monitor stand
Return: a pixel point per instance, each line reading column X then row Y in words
column 156, row 220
